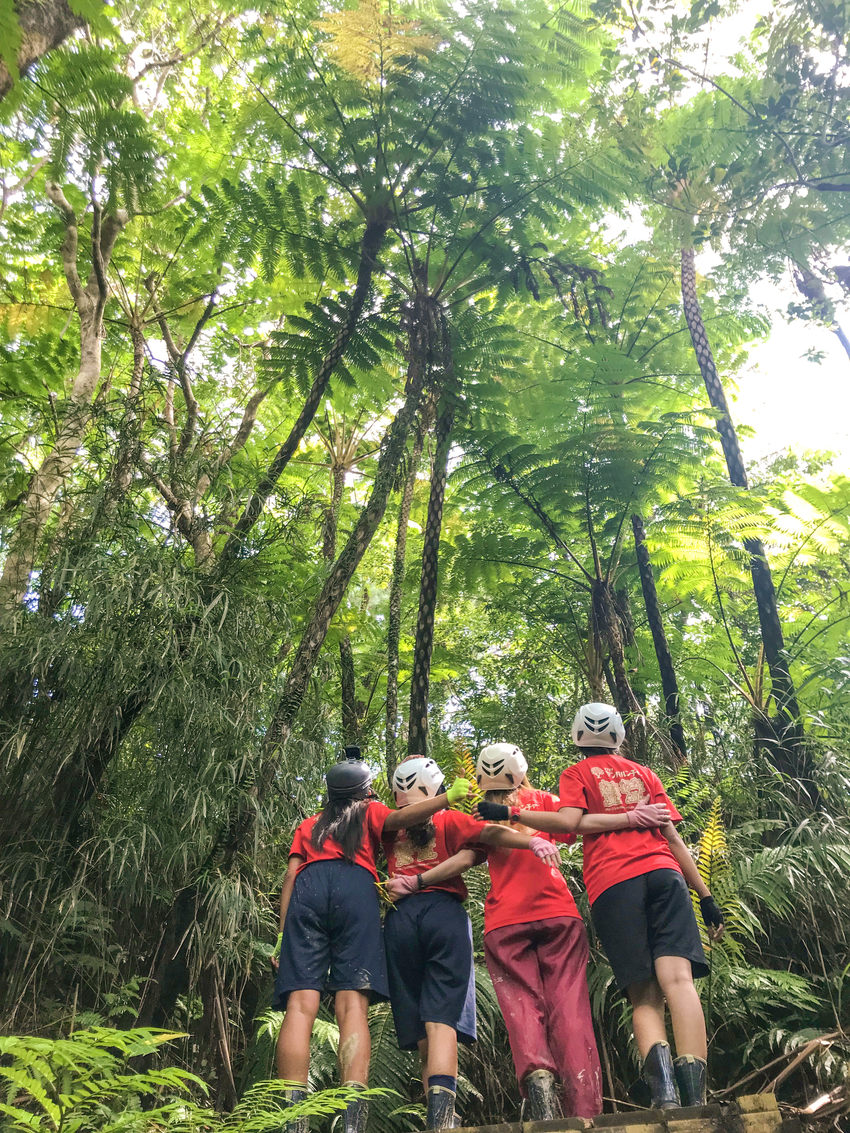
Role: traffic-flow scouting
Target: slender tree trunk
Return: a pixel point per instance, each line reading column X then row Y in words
column 787, row 750
column 423, row 320
column 90, row 302
column 784, row 693
column 373, row 238
column 606, row 624
column 348, row 682
column 396, row 594
column 420, row 681
column 669, row 682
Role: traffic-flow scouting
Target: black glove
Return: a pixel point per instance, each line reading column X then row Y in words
column 712, row 914
column 493, row 812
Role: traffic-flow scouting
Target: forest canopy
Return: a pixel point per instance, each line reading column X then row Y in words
column 368, row 377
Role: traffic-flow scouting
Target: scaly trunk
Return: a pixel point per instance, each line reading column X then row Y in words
column 669, row 682
column 373, row 238
column 396, row 594
column 332, row 514
column 606, row 627
column 784, row 693
column 420, row 681
column 350, row 716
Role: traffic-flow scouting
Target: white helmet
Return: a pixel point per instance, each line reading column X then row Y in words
column 415, row 779
column 598, row 725
column 500, row 767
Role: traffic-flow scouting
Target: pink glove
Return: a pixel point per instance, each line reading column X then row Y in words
column 544, row 849
column 403, row 886
column 647, row 815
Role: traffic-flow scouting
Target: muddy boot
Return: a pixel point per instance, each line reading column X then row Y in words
column 659, row 1076
column 441, row 1108
column 357, row 1110
column 292, row 1095
column 542, row 1095
column 690, row 1078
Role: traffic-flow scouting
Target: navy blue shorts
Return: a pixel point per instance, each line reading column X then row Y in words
column 645, row 917
column 332, row 934
column 429, row 963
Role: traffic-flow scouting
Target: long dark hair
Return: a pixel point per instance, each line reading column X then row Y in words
column 342, row 820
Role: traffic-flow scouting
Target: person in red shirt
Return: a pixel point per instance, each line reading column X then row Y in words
column 535, row 946
column 637, row 872
column 330, row 927
column 428, row 936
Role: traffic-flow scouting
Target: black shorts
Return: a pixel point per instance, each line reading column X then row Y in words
column 332, row 935
column 429, row 963
column 646, row 917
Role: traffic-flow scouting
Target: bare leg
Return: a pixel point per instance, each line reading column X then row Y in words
column 677, row 983
column 441, row 1049
column 355, row 1042
column 293, row 1044
column 648, row 1014
column 423, row 1061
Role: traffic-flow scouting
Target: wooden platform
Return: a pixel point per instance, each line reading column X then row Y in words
column 756, row 1113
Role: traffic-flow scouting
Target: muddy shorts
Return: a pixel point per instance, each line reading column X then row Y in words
column 645, row 917
column 332, row 936
column 429, row 962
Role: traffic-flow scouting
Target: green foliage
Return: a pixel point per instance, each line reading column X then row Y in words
column 83, row 1082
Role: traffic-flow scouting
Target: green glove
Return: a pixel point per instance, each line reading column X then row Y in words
column 458, row 790
column 276, row 952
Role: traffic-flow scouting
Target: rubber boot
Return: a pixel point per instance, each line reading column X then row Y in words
column 441, row 1108
column 357, row 1110
column 659, row 1075
column 292, row 1096
column 690, row 1078
column 542, row 1095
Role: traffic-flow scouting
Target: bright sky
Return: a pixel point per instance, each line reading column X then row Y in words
column 789, row 400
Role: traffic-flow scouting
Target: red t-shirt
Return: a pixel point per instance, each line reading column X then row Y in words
column 612, row 784
column 454, row 831
column 373, row 825
column 522, row 887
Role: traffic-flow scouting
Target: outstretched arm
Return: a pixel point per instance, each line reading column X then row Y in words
column 574, row 820
column 458, row 863
column 415, row 813
column 509, row 839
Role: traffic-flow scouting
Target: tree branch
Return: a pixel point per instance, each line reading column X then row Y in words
column 69, row 245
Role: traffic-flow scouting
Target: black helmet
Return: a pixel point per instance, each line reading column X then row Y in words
column 349, row 777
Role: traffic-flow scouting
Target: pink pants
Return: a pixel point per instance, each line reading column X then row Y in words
column 538, row 971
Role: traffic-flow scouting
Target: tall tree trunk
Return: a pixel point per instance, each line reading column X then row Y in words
column 396, row 594
column 788, row 752
column 784, row 693
column 348, row 683
column 424, row 318
column 669, row 682
column 89, row 302
column 420, row 681
column 606, row 625
column 373, row 238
